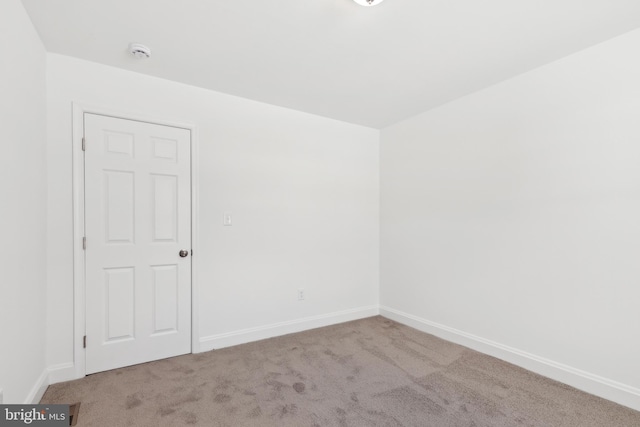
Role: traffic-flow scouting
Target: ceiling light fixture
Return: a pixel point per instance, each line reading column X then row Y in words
column 368, row 2
column 140, row 51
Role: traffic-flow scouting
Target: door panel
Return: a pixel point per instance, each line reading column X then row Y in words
column 137, row 219
column 119, row 307
column 165, row 289
column 165, row 208
column 119, row 197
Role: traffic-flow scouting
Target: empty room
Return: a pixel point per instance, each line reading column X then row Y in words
column 320, row 213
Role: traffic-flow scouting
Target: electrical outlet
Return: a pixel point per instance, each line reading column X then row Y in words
column 300, row 294
column 227, row 219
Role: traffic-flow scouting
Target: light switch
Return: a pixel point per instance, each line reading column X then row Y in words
column 227, row 219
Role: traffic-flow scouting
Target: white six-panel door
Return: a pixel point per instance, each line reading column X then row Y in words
column 137, row 220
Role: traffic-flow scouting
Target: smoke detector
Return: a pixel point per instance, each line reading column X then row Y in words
column 368, row 2
column 140, row 51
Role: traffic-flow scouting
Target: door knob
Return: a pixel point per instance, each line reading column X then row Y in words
column 184, row 253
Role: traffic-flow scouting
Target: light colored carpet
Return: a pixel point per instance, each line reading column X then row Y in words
column 371, row 372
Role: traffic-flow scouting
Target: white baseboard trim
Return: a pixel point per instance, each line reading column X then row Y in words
column 603, row 387
column 282, row 328
column 38, row 389
column 62, row 372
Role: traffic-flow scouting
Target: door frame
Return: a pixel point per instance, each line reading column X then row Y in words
column 79, row 274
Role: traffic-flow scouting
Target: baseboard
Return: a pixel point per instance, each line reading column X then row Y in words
column 62, row 372
column 277, row 329
column 38, row 389
column 585, row 381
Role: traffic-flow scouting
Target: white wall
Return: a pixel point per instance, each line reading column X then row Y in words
column 23, row 207
column 510, row 220
column 303, row 190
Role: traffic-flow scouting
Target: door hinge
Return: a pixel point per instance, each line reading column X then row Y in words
column 84, row 147
column 84, row 342
column 84, row 243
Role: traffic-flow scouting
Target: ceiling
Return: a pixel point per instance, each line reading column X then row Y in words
column 372, row 66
